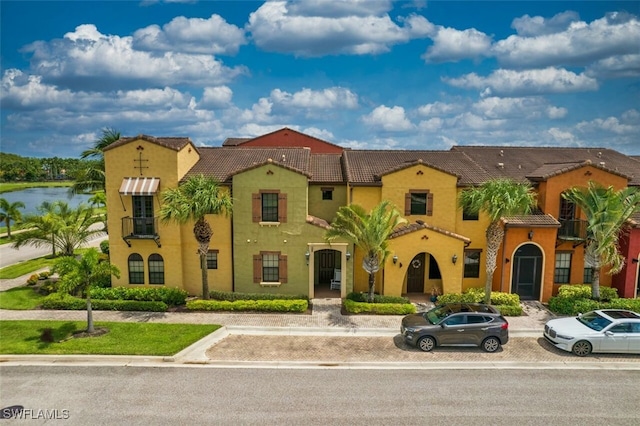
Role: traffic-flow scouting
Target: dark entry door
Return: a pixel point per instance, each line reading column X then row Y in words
column 527, row 272
column 415, row 274
column 326, row 261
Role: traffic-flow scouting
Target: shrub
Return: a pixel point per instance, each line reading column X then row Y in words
column 277, row 305
column 167, row 295
column 475, row 295
column 48, row 287
column 362, row 297
column 44, row 275
column 104, row 246
column 355, row 307
column 33, row 280
column 575, row 299
column 231, row 297
column 68, row 302
column 510, row 310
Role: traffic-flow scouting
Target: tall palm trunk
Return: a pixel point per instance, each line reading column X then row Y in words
column 495, row 234
column 90, row 328
column 202, row 232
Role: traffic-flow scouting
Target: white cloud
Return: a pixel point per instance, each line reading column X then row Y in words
column 531, row 26
column 615, row 66
column 528, row 82
column 450, row 44
column 191, row 35
column 216, row 97
column 388, row 119
column 611, row 125
column 90, row 60
column 438, row 109
column 431, row 125
column 339, row 8
column 525, row 108
column 330, row 98
column 580, row 44
column 561, row 136
column 555, row 113
column 303, row 30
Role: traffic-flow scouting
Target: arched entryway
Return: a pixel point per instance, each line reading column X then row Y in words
column 423, row 274
column 527, row 272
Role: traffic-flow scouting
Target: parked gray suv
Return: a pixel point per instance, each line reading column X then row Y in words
column 456, row 324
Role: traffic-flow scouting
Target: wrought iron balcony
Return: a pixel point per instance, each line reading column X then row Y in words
column 572, row 230
column 140, row 228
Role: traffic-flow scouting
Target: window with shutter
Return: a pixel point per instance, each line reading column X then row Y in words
column 418, row 202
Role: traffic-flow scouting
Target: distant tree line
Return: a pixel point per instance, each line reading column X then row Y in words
column 16, row 168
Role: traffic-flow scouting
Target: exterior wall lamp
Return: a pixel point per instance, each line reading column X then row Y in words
column 306, row 256
column 395, row 259
column 348, row 255
column 634, row 260
column 454, row 259
column 530, row 235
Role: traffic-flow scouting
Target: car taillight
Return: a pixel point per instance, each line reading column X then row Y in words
column 504, row 326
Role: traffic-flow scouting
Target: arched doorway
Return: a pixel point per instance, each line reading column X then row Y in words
column 423, row 273
column 527, row 272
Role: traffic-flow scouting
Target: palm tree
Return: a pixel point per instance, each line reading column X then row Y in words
column 92, row 178
column 193, row 200
column 369, row 232
column 81, row 273
column 9, row 212
column 497, row 198
column 61, row 227
column 607, row 213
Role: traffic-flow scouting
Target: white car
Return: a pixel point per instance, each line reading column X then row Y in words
column 602, row 330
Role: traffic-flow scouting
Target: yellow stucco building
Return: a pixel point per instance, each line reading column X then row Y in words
column 287, row 186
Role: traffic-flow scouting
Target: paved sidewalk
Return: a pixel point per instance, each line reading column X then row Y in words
column 323, row 339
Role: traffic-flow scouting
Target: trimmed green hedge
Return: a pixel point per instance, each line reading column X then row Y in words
column 68, row 302
column 507, row 303
column 377, row 298
column 575, row 299
column 354, row 307
column 278, row 305
column 168, row 295
column 231, row 297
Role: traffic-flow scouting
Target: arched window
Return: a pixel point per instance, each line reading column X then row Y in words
column 156, row 269
column 136, row 269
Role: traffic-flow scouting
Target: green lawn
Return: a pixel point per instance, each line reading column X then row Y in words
column 20, row 298
column 23, row 337
column 17, row 186
column 26, row 267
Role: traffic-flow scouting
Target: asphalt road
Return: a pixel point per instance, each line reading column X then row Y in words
column 10, row 255
column 199, row 395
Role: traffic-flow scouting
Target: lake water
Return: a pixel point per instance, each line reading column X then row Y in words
column 34, row 197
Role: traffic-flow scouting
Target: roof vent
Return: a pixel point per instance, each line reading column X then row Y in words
column 501, row 153
column 602, row 164
column 599, row 154
column 284, row 158
column 501, row 165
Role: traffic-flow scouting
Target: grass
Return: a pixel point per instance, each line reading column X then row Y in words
column 23, row 337
column 18, row 186
column 20, row 298
column 26, row 267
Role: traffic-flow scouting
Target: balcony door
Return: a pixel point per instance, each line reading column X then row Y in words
column 143, row 215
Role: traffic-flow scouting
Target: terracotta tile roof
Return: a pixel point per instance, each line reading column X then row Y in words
column 367, row 166
column 420, row 225
column 174, row 143
column 520, row 162
column 533, row 220
column 223, row 163
column 548, row 170
column 316, row 221
column 234, row 141
column 327, row 168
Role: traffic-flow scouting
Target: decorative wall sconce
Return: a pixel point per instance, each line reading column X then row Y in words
column 454, row 259
column 306, row 256
column 395, row 259
column 530, row 235
column 634, row 260
column 506, row 260
column 348, row 255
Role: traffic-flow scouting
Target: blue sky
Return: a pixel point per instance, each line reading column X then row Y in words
column 369, row 74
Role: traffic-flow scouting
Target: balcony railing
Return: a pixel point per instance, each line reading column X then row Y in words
column 573, row 230
column 140, row 228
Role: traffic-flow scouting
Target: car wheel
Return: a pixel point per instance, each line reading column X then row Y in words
column 491, row 344
column 426, row 343
column 581, row 348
